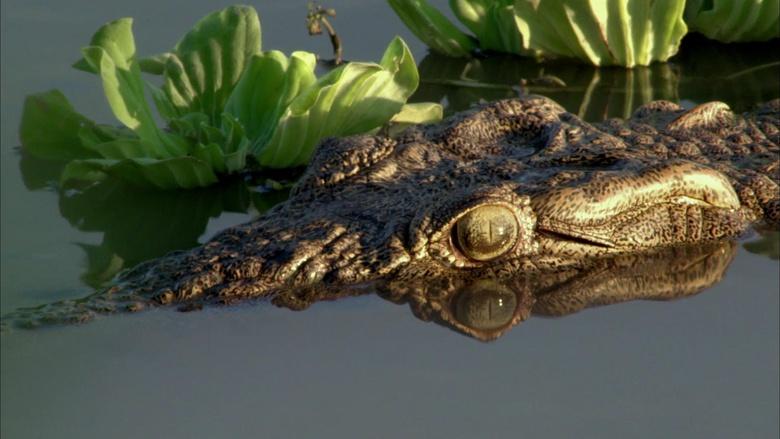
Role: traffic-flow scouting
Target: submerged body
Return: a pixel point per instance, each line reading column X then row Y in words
column 513, row 187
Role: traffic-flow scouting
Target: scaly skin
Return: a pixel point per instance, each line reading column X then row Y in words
column 370, row 208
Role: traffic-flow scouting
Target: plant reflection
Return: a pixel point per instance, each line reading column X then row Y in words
column 138, row 225
column 768, row 244
column 739, row 74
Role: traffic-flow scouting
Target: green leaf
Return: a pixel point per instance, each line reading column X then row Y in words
column 127, row 148
column 85, row 171
column 433, row 28
column 236, row 161
column 84, row 66
column 112, row 55
column 507, row 35
column 474, row 14
column 116, row 37
column 172, row 173
column 212, row 155
column 165, row 108
column 208, row 62
column 155, row 64
column 355, row 98
column 50, row 127
column 92, row 136
column 612, row 32
column 417, row 113
column 734, row 20
column 220, row 162
column 492, row 22
column 235, row 139
column 399, row 62
column 266, row 89
column 421, row 112
column 189, row 125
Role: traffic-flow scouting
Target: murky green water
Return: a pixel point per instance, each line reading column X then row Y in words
column 704, row 366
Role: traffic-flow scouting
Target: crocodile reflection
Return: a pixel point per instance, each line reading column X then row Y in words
column 482, row 308
column 486, row 309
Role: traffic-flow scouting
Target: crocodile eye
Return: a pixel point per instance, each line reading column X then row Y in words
column 486, row 232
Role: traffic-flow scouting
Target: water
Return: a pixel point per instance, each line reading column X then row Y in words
column 703, row 366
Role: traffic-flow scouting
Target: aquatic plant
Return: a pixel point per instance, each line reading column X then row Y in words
column 619, row 32
column 491, row 21
column 734, row 20
column 227, row 105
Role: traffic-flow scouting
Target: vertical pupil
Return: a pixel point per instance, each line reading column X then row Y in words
column 487, row 232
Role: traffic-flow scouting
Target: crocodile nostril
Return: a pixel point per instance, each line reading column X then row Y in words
column 486, row 232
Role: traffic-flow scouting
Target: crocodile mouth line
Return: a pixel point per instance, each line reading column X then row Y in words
column 560, row 236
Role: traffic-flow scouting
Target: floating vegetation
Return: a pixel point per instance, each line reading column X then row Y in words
column 734, row 20
column 433, row 28
column 227, row 104
column 617, row 32
column 491, row 21
column 620, row 32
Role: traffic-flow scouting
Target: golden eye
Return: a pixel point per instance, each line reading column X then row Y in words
column 486, row 232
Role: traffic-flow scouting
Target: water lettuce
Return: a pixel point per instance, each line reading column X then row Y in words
column 433, row 28
column 227, row 105
column 734, row 20
column 327, row 108
column 614, row 32
column 491, row 21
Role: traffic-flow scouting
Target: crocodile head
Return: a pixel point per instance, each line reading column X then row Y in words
column 513, row 186
column 516, row 186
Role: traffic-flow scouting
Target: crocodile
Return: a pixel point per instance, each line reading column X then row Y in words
column 516, row 186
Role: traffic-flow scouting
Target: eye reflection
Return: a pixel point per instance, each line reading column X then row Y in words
column 486, row 232
column 485, row 305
